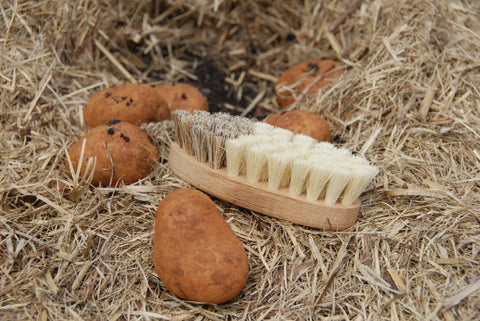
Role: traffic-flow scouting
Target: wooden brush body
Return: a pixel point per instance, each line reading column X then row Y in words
column 259, row 198
column 269, row 170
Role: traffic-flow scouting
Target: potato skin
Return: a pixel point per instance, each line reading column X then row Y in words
column 300, row 76
column 134, row 103
column 195, row 253
column 183, row 96
column 123, row 152
column 302, row 122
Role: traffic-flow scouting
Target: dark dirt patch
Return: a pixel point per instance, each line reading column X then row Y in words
column 219, row 93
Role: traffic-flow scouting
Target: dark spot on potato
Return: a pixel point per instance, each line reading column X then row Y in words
column 128, row 104
column 179, row 271
column 108, row 94
column 180, row 210
column 179, row 288
column 184, row 96
column 113, row 122
column 117, row 99
column 311, row 67
column 124, row 97
column 131, row 100
column 110, row 131
column 218, row 276
column 125, row 138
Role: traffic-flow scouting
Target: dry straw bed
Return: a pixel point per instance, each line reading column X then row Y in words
column 408, row 100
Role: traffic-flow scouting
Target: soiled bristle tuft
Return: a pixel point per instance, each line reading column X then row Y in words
column 203, row 135
column 266, row 153
column 216, row 153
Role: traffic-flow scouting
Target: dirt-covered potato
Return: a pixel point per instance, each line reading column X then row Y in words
column 302, row 122
column 122, row 152
column 134, row 103
column 307, row 76
column 183, row 96
column 195, row 253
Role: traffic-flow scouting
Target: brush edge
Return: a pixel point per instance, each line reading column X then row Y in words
column 259, row 198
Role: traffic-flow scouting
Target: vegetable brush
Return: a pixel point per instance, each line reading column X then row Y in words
column 269, row 170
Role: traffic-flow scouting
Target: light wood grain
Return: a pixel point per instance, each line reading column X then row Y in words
column 259, row 198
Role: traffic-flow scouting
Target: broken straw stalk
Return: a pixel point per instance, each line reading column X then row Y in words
column 269, row 170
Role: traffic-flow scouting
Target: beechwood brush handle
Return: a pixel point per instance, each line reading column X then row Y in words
column 258, row 197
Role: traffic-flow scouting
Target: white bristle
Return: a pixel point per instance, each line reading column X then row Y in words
column 263, row 138
column 282, row 134
column 323, row 147
column 234, row 155
column 256, row 160
column 301, row 152
column 341, row 154
column 336, row 184
column 320, row 173
column 361, row 177
column 235, row 150
column 280, row 146
column 358, row 161
column 303, row 141
column 260, row 128
column 281, row 138
column 279, row 168
column 298, row 176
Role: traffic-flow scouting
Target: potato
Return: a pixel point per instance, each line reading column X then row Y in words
column 134, row 103
column 183, row 96
column 195, row 253
column 309, row 76
column 122, row 151
column 302, row 122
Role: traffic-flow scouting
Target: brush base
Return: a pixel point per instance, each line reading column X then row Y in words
column 259, row 198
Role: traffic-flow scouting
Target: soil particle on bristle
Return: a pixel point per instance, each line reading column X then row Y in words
column 110, row 131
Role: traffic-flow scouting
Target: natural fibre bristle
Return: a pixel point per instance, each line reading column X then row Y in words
column 283, row 159
column 256, row 160
column 279, row 168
